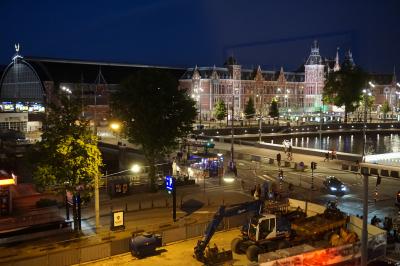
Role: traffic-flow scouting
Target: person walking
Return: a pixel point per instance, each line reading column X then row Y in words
column 326, row 157
column 278, row 159
column 334, row 156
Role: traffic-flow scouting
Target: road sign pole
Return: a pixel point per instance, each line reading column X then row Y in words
column 173, row 199
column 312, row 178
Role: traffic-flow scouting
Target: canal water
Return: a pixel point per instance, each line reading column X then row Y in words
column 349, row 143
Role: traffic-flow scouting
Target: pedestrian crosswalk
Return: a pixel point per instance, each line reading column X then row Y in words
column 225, row 185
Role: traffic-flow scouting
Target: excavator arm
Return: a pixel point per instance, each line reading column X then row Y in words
column 224, row 211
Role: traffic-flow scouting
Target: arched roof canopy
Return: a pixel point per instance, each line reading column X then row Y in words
column 21, row 83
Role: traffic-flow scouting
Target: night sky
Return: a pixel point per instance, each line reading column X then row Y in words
column 185, row 33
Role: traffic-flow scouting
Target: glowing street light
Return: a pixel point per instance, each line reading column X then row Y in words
column 135, row 168
column 115, row 126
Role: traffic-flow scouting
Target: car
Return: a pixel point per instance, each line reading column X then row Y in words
column 334, row 185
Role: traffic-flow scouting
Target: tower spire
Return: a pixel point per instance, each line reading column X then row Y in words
column 337, row 65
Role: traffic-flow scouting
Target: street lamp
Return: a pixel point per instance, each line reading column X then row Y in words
column 115, row 126
column 197, row 96
column 67, row 91
column 366, row 94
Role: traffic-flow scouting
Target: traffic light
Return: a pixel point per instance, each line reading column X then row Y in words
column 280, row 174
column 313, row 165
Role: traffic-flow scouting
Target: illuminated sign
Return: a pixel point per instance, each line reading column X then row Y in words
column 169, row 183
column 118, row 221
column 8, row 181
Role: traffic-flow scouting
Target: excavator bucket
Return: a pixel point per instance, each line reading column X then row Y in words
column 214, row 256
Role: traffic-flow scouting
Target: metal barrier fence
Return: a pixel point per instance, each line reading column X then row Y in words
column 111, row 246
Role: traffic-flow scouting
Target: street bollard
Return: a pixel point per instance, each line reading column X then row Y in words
column 152, row 204
column 126, row 207
column 166, row 203
column 140, row 205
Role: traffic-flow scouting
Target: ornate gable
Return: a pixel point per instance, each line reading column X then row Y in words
column 196, row 73
column 281, row 78
column 259, row 76
column 214, row 74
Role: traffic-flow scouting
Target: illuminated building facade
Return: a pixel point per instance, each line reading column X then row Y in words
column 299, row 93
column 29, row 84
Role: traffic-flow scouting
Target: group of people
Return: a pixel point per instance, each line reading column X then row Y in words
column 287, row 147
column 330, row 155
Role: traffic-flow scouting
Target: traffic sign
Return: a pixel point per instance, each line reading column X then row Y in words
column 169, row 183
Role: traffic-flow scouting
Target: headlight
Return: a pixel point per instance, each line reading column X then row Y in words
column 333, row 188
column 343, row 188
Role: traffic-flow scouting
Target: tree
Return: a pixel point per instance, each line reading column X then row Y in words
column 249, row 110
column 155, row 112
column 274, row 110
column 344, row 88
column 67, row 159
column 369, row 100
column 220, row 111
column 385, row 109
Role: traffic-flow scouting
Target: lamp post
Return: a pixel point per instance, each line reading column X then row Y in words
column 134, row 169
column 197, row 96
column 115, row 126
column 321, row 120
column 232, row 130
column 364, row 232
column 67, row 91
column 366, row 94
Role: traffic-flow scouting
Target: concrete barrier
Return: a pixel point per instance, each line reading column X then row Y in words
column 271, row 161
column 287, row 164
column 373, row 171
column 384, row 172
column 256, row 158
column 394, row 174
column 345, row 167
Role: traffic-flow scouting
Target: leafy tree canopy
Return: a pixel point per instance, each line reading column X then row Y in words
column 344, row 88
column 249, row 110
column 155, row 113
column 220, row 111
column 274, row 110
column 67, row 158
column 385, row 108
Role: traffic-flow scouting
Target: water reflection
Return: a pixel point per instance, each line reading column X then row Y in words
column 379, row 143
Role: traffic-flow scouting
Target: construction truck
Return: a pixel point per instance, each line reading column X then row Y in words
column 211, row 255
column 267, row 232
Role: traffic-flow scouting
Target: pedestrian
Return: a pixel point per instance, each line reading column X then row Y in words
column 234, row 170
column 357, row 163
column 278, row 159
column 326, row 157
column 334, row 156
column 242, row 183
column 373, row 220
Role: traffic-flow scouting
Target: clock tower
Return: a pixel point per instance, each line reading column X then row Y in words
column 314, row 80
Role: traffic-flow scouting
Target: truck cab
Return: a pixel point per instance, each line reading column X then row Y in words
column 266, row 227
